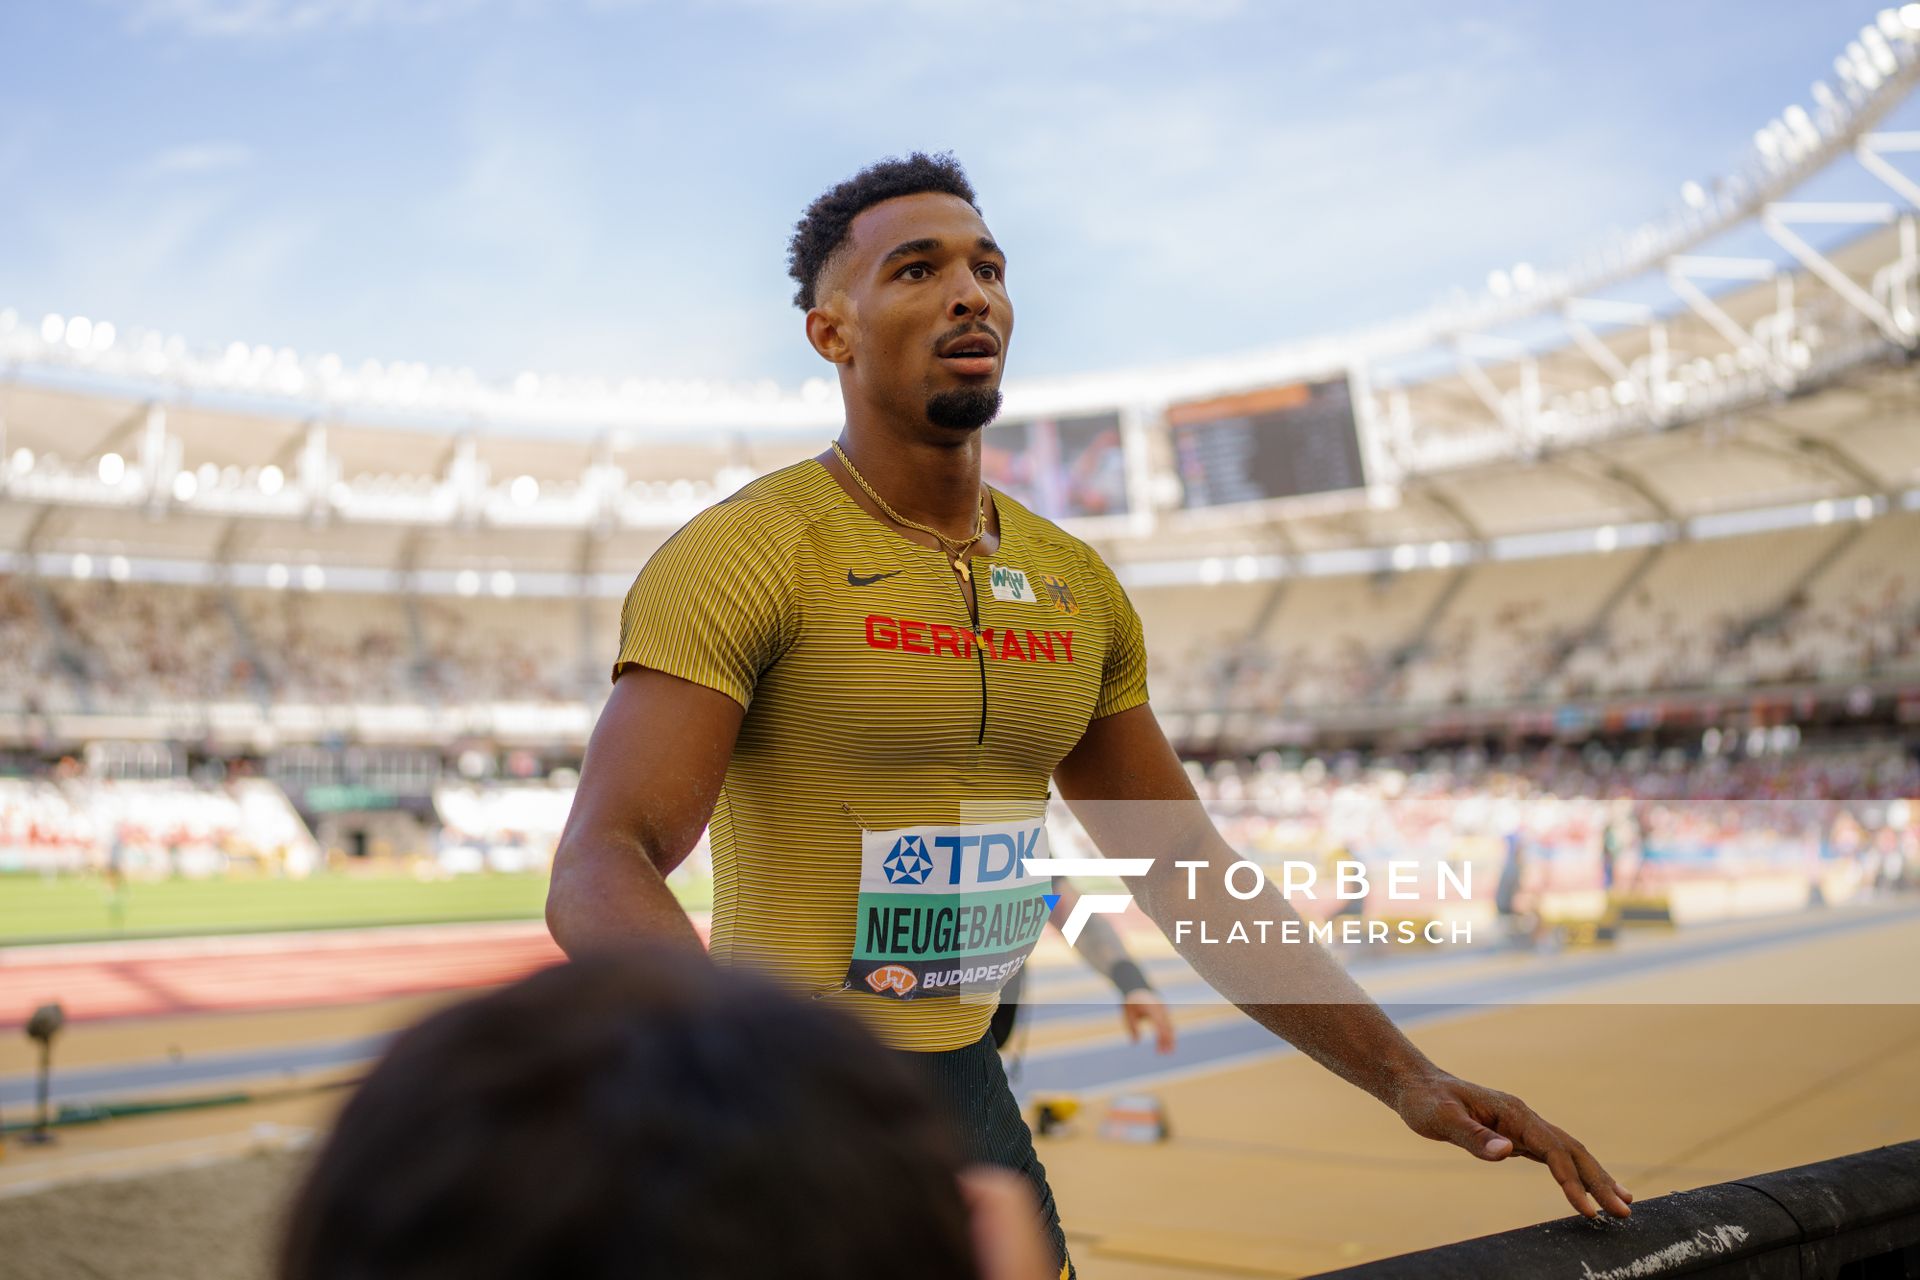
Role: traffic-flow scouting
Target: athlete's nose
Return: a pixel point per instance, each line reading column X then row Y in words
column 970, row 301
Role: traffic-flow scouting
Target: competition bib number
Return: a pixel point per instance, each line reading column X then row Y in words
column 947, row 911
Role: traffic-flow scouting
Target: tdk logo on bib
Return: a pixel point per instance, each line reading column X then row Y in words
column 978, row 857
column 1011, row 584
column 908, row 862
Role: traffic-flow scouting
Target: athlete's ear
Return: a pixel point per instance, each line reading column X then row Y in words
column 830, row 330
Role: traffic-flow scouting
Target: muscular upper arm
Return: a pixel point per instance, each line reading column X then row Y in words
column 653, row 769
column 1124, row 756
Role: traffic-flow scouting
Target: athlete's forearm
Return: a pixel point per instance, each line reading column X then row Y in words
column 1099, row 943
column 1296, row 990
column 610, row 895
column 1101, row 947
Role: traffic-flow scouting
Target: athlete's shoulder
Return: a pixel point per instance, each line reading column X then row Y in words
column 774, row 510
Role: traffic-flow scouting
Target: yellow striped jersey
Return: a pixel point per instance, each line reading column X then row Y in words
column 873, row 704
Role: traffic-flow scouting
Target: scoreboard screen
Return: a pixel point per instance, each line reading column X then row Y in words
column 1059, row 467
column 1278, row 442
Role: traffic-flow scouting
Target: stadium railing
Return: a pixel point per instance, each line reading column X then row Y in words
column 1853, row 1218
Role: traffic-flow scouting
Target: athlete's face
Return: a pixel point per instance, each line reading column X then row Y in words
column 914, row 310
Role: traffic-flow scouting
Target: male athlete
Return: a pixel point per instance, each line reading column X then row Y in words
column 866, row 670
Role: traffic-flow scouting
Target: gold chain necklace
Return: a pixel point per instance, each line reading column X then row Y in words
column 956, row 548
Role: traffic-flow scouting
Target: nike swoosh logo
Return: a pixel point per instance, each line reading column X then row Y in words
column 855, row 580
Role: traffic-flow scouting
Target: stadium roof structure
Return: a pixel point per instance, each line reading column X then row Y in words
column 1660, row 387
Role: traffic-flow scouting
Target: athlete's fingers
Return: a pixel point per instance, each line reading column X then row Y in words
column 1144, row 1006
column 1589, row 1188
column 1008, row 1241
column 1613, row 1197
column 1560, row 1162
column 1162, row 1027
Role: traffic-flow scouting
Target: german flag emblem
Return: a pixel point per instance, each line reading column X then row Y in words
column 1056, row 589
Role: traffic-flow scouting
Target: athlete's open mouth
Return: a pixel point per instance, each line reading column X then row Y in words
column 973, row 354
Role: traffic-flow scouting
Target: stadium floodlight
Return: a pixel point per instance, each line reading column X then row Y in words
column 52, row 326
column 1910, row 17
column 525, row 491
column 271, row 479
column 1825, row 99
column 185, row 485
column 501, row 582
column 1694, row 194
column 1801, row 123
column 22, row 461
column 1245, row 568
column 112, row 469
column 119, row 569
column 83, row 566
column 1864, row 69
column 1863, row 508
column 1405, row 557
column 313, row 577
column 1823, row 512
column 467, row 582
column 277, row 577
column 1606, row 538
column 1879, row 51
column 1440, row 555
column 1213, row 570
column 1499, row 284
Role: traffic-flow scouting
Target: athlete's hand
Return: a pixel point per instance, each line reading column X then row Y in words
column 1144, row 1008
column 1494, row 1125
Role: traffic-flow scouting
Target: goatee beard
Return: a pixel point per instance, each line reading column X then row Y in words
column 967, row 409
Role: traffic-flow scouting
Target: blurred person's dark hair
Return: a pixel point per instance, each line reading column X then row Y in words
column 823, row 228
column 635, row 1115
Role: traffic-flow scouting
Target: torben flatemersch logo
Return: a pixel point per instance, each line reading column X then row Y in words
column 1090, row 904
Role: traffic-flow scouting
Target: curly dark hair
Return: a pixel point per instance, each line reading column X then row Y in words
column 629, row 1116
column 823, row 229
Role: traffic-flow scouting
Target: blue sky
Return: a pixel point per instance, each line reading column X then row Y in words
column 605, row 186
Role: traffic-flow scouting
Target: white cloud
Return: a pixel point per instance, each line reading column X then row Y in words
column 198, row 158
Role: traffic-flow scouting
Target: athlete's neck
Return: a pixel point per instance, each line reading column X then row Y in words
column 933, row 483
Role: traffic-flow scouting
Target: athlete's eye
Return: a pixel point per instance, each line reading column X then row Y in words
column 921, row 267
column 993, row 271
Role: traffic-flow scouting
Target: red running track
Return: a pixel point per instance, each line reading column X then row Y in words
column 267, row 971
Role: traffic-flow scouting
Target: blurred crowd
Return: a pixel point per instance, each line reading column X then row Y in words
column 1754, row 611
column 69, row 820
column 105, row 645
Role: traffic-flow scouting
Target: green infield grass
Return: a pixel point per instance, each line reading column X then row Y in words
column 71, row 908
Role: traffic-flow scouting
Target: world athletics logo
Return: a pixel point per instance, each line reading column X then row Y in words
column 908, row 862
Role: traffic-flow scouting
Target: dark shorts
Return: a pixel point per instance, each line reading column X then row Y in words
column 972, row 1085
